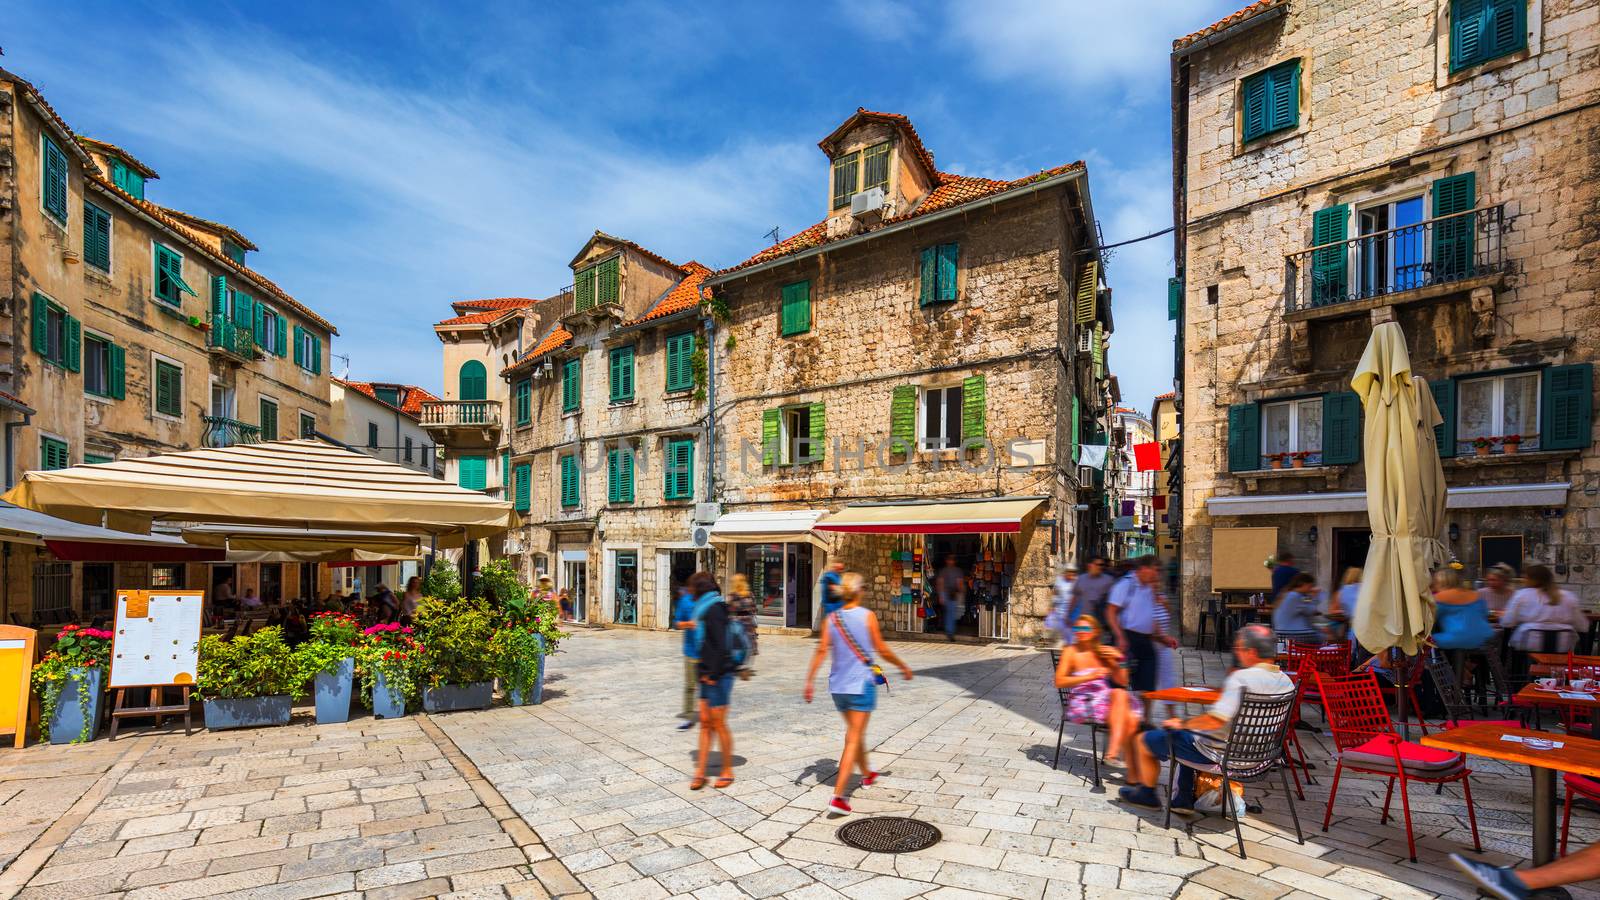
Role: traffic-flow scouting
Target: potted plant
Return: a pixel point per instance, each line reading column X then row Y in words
column 74, row 670
column 248, row 681
column 329, row 656
column 1511, row 443
column 526, row 633
column 1481, row 445
column 1276, row 459
column 455, row 668
column 1299, row 457
column 389, row 659
column 197, row 322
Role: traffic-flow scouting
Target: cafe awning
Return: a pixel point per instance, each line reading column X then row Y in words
column 75, row 542
column 300, row 484
column 774, row 526
column 992, row 515
column 260, row 543
column 1477, row 496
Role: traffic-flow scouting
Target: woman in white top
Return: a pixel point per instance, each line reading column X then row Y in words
column 1542, row 607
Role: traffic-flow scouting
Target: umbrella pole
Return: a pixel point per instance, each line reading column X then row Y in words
column 1400, row 689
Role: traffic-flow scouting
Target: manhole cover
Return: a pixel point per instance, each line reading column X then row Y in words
column 889, row 834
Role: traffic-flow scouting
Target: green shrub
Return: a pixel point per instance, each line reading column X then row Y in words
column 335, row 637
column 253, row 665
column 456, row 634
column 442, row 582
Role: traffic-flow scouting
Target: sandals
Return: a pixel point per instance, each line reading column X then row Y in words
column 697, row 782
column 723, row 782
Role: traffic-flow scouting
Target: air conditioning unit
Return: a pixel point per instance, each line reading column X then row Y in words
column 868, row 205
column 1086, row 474
column 700, row 536
column 706, row 513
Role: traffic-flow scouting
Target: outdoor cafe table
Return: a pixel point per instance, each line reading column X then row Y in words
column 1578, row 755
column 1550, row 661
column 1206, row 695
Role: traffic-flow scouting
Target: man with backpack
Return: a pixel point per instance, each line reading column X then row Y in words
column 723, row 647
column 683, row 619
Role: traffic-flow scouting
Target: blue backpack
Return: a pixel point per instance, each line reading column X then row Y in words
column 738, row 643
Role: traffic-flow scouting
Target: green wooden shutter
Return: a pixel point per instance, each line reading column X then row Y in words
column 316, row 355
column 524, row 392
column 219, row 308
column 770, row 436
column 584, row 289
column 621, row 381
column 569, row 480
column 1454, row 241
column 117, row 371
column 1244, row 437
column 96, row 237
column 796, row 311
column 1568, row 407
column 1444, row 397
column 614, row 475
column 281, row 337
column 570, row 385
column 1256, row 100
column 73, row 335
column 1341, row 428
column 472, row 472
column 41, row 324
column 928, row 288
column 1506, row 27
column 1174, row 298
column 1083, row 305
column 682, row 476
column 53, row 454
column 1330, row 271
column 819, row 432
column 903, row 419
column 1283, row 86
column 845, row 171
column 55, row 181
column 1468, row 21
column 1076, row 433
column 259, row 326
column 947, row 271
column 300, row 347
column 1097, row 350
column 607, row 282
column 523, row 476
column 505, row 474
column 974, row 407
column 244, row 310
column 680, row 366
column 473, row 381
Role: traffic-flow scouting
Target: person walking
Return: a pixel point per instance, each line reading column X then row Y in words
column 827, row 586
column 1284, row 572
column 743, row 608
column 1131, row 615
column 412, row 596
column 1294, row 614
column 715, row 670
column 683, row 618
column 853, row 680
column 1093, row 588
column 950, row 585
column 1063, row 609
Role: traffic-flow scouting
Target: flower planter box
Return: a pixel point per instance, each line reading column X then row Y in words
column 66, row 724
column 1510, row 448
column 536, row 693
column 384, row 705
column 453, row 697
column 334, row 691
column 248, row 712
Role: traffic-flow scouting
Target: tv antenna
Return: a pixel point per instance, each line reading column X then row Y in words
column 773, row 234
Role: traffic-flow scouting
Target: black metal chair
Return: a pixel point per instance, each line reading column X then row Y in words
column 1255, row 747
column 1211, row 624
column 1094, row 727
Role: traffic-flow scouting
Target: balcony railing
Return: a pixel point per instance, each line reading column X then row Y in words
column 232, row 339
column 224, row 432
column 461, row 413
column 1438, row 251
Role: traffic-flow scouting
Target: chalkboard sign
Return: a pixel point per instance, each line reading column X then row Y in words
column 1494, row 549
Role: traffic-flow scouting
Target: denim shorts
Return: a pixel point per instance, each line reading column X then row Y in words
column 866, row 701
column 717, row 693
column 1183, row 745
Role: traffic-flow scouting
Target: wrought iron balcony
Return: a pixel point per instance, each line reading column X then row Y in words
column 461, row 414
column 1435, row 252
column 224, row 432
column 234, row 340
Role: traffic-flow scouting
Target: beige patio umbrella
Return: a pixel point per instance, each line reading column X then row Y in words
column 1405, row 496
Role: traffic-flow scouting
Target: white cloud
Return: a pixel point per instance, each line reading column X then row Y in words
column 890, row 21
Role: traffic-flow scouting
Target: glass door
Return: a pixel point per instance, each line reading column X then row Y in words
column 575, row 581
column 625, row 587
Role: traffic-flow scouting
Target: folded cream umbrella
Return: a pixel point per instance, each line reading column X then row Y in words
column 1405, row 496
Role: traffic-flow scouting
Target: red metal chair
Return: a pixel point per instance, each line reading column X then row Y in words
column 1367, row 743
column 1575, row 784
column 1331, row 660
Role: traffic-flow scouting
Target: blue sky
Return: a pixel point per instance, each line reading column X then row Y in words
column 390, row 157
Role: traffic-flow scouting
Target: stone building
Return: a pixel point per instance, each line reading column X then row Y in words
column 1168, row 527
column 1133, row 524
column 384, row 420
column 937, row 341
column 128, row 328
column 1426, row 162
column 607, row 434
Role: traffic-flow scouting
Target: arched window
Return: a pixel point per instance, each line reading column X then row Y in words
column 474, row 381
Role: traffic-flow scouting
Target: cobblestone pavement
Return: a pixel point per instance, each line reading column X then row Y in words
column 589, row 793
column 600, row 774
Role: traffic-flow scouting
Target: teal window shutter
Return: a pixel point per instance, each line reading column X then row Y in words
column 1454, row 240
column 947, row 253
column 1244, row 437
column 903, row 419
column 571, row 385
column 472, row 472
column 505, row 474
column 1330, row 269
column 169, row 391
column 1444, row 397
column 1174, row 298
column 281, row 336
column 1567, row 422
column 474, row 381
column 795, row 317
column 1254, row 93
column 53, row 187
column 770, row 436
column 818, row 421
column 679, row 477
column 524, row 402
column 299, row 347
column 1075, row 434
column 73, row 332
column 259, row 326
column 1270, row 100
column 219, row 311
column 1481, row 30
column 614, row 475
column 1285, row 88
column 53, row 454
column 974, row 407
column 316, row 355
column 928, row 281
column 96, row 237
column 117, row 371
column 569, row 480
column 522, row 476
column 624, row 475
column 621, row 382
column 41, row 325
column 1341, row 429
column 680, row 365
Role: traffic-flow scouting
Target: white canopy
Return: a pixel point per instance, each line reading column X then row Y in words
column 769, row 526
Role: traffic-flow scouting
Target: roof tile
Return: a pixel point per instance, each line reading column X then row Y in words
column 683, row 295
column 1224, row 24
column 411, row 405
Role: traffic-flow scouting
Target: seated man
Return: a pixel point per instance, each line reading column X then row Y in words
column 1203, row 738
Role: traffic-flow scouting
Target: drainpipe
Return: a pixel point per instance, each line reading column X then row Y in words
column 711, row 407
column 11, row 438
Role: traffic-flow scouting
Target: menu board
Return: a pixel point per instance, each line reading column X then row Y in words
column 156, row 638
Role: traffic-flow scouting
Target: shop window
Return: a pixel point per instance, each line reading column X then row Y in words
column 167, row 575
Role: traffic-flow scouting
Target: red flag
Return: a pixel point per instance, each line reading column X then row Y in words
column 1147, row 456
column 1160, row 501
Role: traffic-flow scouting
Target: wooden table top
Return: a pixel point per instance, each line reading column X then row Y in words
column 1533, row 696
column 1560, row 659
column 1206, row 695
column 1577, row 754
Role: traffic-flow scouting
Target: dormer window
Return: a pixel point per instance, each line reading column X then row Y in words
column 233, row 251
column 124, row 176
column 860, row 170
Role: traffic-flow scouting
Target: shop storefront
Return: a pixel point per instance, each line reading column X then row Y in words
column 781, row 557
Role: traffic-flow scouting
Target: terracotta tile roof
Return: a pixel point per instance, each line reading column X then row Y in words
column 1224, row 24
column 641, row 250
column 410, row 405
column 684, row 295
column 476, row 318
column 952, row 190
column 227, row 231
column 55, row 117
column 494, row 303
column 114, row 150
column 900, row 122
column 554, row 339
column 1169, row 395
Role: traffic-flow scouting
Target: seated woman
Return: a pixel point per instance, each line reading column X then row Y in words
column 1097, row 682
column 1540, row 609
column 1462, row 618
column 1294, row 615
